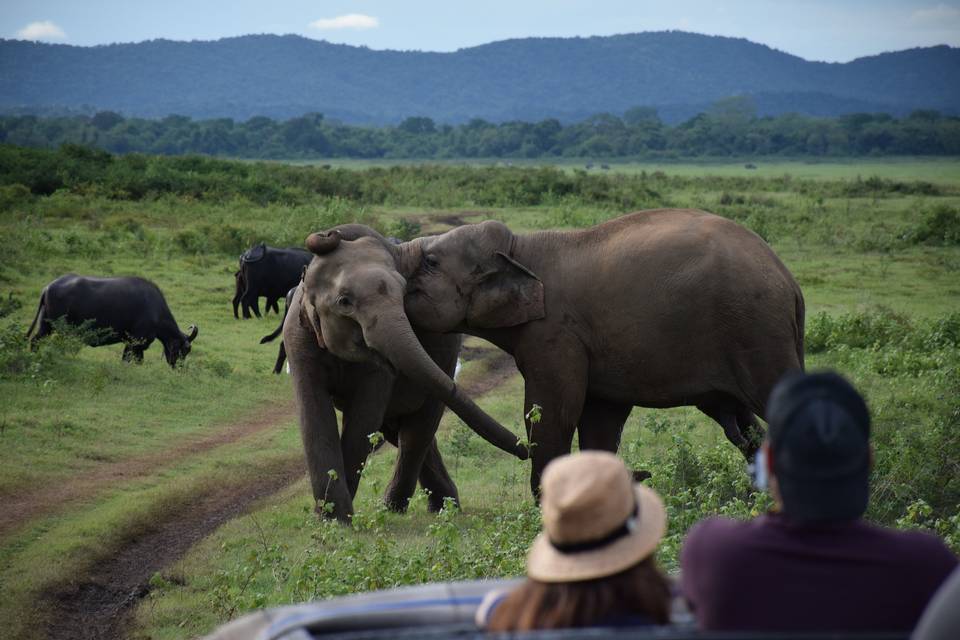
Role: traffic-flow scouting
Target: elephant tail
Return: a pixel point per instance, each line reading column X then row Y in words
column 800, row 311
column 43, row 299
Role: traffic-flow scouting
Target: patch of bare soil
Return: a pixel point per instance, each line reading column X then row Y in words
column 499, row 368
column 19, row 509
column 100, row 604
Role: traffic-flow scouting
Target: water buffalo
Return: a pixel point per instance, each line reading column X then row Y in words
column 240, row 285
column 129, row 310
column 269, row 272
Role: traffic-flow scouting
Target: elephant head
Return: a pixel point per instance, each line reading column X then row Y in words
column 467, row 278
column 353, row 301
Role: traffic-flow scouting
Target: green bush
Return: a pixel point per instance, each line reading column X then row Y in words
column 940, row 227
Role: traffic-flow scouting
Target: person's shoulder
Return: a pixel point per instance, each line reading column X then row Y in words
column 720, row 528
column 912, row 544
column 717, row 532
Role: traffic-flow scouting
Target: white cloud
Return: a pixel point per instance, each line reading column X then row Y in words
column 43, row 30
column 348, row 21
column 935, row 16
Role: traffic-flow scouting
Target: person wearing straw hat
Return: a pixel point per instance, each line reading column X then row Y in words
column 592, row 565
column 812, row 564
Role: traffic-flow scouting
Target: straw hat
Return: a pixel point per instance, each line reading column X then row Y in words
column 596, row 522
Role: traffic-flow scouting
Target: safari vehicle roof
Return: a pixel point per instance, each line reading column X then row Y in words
column 446, row 610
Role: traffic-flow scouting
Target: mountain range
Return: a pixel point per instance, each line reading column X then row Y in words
column 678, row 73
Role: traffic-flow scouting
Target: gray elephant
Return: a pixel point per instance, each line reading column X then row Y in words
column 662, row 308
column 330, row 368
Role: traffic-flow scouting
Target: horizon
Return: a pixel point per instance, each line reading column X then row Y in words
column 813, row 30
column 465, row 48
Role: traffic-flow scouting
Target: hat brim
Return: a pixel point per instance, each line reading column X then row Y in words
column 547, row 564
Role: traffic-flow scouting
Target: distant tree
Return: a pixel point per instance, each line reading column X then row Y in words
column 641, row 115
column 106, row 120
column 417, row 125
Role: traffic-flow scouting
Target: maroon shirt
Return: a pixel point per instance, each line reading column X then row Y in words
column 770, row 574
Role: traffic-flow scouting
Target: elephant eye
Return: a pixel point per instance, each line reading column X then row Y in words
column 431, row 261
column 344, row 302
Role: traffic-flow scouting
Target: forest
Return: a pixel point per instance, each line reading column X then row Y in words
column 728, row 128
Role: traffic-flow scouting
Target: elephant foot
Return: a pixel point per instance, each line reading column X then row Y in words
column 639, row 475
column 328, row 511
column 437, row 502
column 396, row 504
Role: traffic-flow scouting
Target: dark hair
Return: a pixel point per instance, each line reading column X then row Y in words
column 641, row 591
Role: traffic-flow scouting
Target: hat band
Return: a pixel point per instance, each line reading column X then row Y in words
column 629, row 526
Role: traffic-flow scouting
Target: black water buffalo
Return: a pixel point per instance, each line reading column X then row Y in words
column 282, row 354
column 269, row 272
column 240, row 285
column 129, row 310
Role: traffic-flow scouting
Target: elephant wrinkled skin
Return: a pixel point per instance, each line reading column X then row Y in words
column 372, row 399
column 662, row 308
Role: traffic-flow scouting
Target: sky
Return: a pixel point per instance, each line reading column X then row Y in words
column 829, row 30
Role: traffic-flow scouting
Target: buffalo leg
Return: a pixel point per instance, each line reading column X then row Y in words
column 133, row 353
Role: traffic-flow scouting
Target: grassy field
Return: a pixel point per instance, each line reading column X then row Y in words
column 943, row 170
column 98, row 453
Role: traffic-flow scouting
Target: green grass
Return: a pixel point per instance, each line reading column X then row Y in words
column 878, row 255
column 934, row 169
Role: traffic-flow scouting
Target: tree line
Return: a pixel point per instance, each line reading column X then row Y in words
column 730, row 128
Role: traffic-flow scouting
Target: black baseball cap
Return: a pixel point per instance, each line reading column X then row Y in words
column 819, row 432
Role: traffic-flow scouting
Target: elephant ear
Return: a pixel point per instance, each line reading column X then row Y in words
column 507, row 296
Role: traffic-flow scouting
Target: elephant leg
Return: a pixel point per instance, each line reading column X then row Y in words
column 752, row 432
column 559, row 389
column 601, row 424
column 362, row 415
column 415, row 436
column 437, row 482
column 723, row 409
column 318, row 420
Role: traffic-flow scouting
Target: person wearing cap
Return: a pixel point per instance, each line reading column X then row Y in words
column 812, row 564
column 592, row 565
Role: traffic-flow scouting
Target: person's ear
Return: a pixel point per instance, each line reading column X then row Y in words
column 768, row 458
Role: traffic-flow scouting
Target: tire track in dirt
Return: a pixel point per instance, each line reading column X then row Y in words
column 100, row 604
column 19, row 509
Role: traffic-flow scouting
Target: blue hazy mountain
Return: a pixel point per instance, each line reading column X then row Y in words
column 528, row 79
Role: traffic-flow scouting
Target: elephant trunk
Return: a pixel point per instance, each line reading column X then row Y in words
column 401, row 347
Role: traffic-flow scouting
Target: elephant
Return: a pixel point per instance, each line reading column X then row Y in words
column 372, row 397
column 658, row 309
column 268, row 272
column 129, row 310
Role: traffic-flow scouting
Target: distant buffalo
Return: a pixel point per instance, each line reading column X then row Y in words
column 128, row 310
column 240, row 285
column 269, row 273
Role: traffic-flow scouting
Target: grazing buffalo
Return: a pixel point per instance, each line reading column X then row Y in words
column 129, row 310
column 282, row 355
column 240, row 285
column 269, row 272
